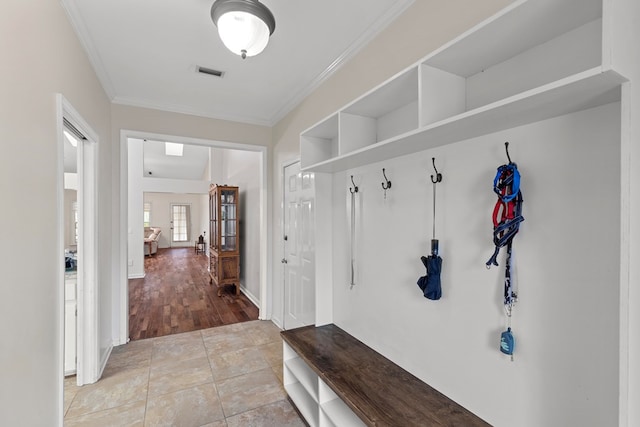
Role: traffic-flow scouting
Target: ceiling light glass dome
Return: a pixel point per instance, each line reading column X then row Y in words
column 244, row 26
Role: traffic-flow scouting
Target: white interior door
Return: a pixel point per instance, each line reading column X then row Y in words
column 299, row 247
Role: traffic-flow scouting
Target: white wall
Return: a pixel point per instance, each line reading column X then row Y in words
column 242, row 169
column 204, row 221
column 161, row 216
column 566, row 257
column 217, row 175
column 135, row 212
column 31, row 352
column 166, row 185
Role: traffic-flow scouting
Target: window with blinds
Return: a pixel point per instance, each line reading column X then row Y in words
column 147, row 214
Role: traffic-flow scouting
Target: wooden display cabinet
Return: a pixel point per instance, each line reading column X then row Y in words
column 224, row 243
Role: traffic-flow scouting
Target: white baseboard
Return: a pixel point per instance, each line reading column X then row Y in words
column 277, row 322
column 118, row 342
column 250, row 296
column 105, row 359
column 136, row 276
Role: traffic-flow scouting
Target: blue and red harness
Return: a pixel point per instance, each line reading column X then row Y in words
column 507, row 216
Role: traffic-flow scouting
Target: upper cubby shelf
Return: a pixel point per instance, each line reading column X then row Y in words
column 320, row 143
column 536, row 59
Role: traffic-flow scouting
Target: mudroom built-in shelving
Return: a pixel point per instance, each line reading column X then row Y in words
column 553, row 78
column 532, row 61
column 319, row 405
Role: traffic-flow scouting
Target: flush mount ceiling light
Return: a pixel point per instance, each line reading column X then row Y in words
column 243, row 25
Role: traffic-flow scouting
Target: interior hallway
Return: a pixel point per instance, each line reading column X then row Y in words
column 225, row 376
column 175, row 296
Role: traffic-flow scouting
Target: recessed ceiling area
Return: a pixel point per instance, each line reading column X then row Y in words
column 192, row 165
column 147, row 52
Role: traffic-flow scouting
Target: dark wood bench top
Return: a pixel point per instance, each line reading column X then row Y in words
column 380, row 392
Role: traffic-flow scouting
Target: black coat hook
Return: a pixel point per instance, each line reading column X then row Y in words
column 355, row 187
column 438, row 174
column 385, row 185
column 506, row 148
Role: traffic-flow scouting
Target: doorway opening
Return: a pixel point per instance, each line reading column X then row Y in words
column 71, row 216
column 141, row 184
column 77, row 247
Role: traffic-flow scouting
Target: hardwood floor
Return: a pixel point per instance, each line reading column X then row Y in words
column 175, row 296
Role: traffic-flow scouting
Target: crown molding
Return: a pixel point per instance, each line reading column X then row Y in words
column 374, row 29
column 75, row 18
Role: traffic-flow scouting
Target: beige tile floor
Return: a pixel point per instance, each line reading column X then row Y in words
column 228, row 376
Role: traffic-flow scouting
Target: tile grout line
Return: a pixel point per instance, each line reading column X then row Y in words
column 258, row 407
column 246, row 331
column 72, row 399
column 146, row 401
column 213, row 379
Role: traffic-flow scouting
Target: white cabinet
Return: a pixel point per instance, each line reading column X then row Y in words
column 315, row 400
column 534, row 60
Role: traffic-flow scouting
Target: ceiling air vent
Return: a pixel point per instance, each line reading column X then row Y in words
column 210, row 71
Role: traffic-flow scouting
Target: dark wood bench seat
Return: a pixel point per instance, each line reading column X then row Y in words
column 377, row 390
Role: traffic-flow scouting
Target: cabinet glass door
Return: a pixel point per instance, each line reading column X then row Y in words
column 229, row 220
column 214, row 220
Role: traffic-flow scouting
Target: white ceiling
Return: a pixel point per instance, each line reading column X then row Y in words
column 191, row 165
column 145, row 53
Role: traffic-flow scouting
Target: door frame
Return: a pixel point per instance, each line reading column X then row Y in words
column 322, row 242
column 87, row 367
column 266, row 256
column 323, row 238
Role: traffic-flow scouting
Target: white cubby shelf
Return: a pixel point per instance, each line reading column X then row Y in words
column 315, row 400
column 535, row 60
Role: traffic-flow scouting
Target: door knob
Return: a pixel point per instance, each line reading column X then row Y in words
column 284, row 260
